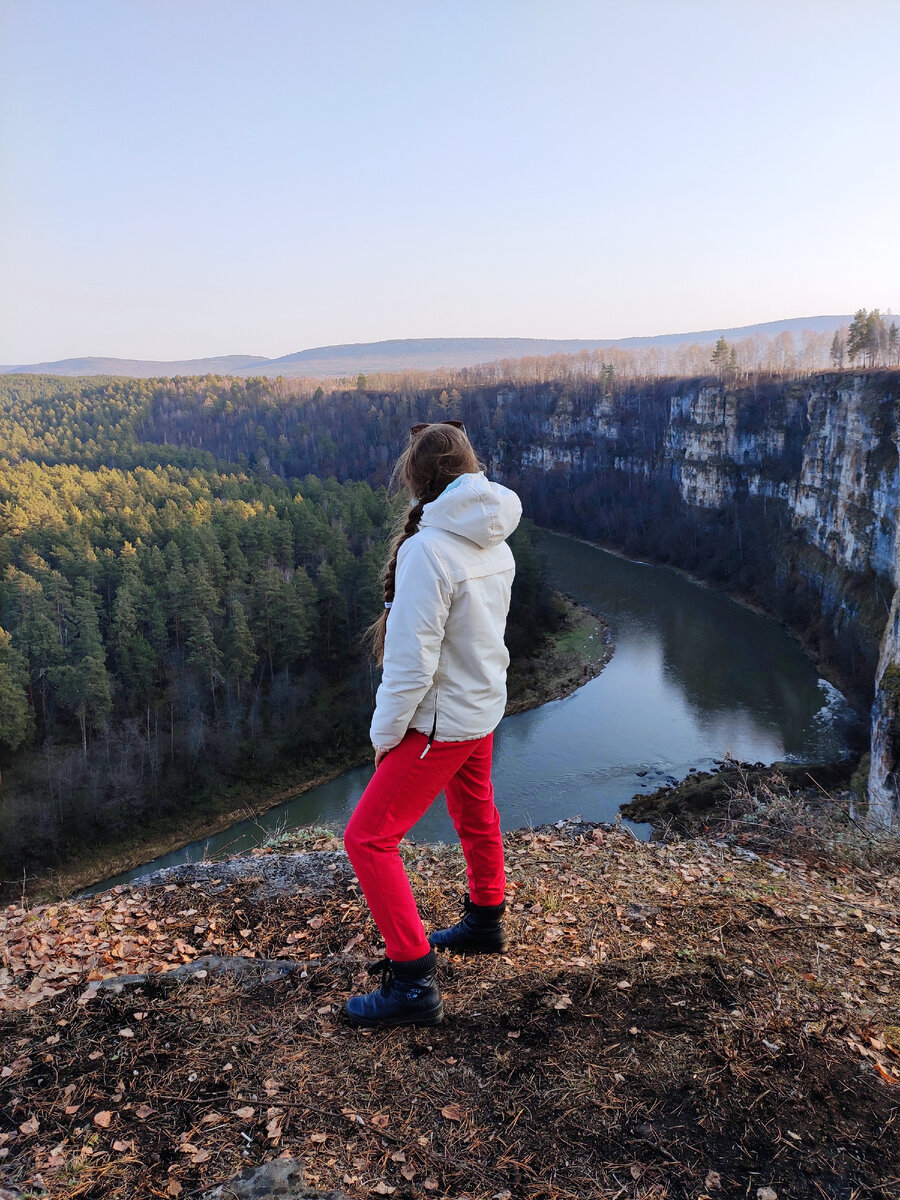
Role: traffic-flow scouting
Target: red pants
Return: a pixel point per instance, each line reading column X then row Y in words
column 400, row 791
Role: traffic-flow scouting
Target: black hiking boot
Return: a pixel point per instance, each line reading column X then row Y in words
column 408, row 995
column 479, row 932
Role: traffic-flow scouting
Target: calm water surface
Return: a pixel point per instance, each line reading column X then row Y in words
column 694, row 676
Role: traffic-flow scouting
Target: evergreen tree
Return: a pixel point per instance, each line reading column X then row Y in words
column 332, row 610
column 128, row 597
column 307, row 596
column 36, row 633
column 721, row 356
column 177, row 600
column 867, row 337
column 83, row 681
column 134, row 655
column 241, row 654
column 203, row 653
column 893, row 345
column 202, row 612
column 237, row 569
column 16, row 714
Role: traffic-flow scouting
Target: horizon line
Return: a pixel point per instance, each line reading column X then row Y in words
column 422, row 338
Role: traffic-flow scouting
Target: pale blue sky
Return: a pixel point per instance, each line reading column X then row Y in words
column 195, row 177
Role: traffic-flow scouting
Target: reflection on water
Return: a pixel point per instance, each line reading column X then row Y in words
column 694, row 676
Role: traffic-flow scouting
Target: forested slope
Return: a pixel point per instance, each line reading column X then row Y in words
column 169, row 622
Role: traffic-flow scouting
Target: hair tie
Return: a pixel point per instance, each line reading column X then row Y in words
column 388, row 603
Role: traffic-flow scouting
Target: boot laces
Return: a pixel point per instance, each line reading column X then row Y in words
column 385, row 968
column 389, row 979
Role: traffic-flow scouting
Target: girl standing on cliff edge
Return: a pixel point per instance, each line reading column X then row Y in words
column 446, row 591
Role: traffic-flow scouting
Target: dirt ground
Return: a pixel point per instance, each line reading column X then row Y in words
column 685, row 1019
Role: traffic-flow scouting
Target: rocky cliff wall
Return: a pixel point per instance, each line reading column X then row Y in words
column 802, row 479
column 826, row 451
column 884, row 769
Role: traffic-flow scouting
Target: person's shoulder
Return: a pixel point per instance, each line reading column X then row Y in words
column 425, row 547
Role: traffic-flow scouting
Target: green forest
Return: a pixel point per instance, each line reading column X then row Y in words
column 170, row 620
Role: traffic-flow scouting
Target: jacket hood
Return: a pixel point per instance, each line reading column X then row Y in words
column 475, row 508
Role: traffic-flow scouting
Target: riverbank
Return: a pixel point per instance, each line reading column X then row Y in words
column 828, row 670
column 678, row 1019
column 575, row 653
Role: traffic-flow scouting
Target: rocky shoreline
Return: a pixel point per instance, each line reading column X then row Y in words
column 704, row 798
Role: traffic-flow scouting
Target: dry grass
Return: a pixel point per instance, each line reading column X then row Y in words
column 675, row 1020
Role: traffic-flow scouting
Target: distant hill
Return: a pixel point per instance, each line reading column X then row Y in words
column 404, row 354
column 137, row 368
column 425, row 353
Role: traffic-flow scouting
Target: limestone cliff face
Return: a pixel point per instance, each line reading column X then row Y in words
column 825, row 450
column 823, row 447
column 715, row 456
column 809, row 468
column 847, row 492
column 884, row 770
column 884, row 793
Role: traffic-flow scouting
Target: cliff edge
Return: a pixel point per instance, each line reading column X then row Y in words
column 674, row 1019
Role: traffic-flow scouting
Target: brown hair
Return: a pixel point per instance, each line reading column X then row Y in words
column 433, row 457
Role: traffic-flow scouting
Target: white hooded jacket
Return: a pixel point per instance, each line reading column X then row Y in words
column 444, row 656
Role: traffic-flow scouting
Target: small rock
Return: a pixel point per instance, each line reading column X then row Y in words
column 280, row 1179
column 117, row 983
column 750, row 856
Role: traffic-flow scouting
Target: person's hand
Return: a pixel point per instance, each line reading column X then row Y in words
column 379, row 755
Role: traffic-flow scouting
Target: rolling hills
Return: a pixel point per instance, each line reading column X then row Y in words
column 405, row 353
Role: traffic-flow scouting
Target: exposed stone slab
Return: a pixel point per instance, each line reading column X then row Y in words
column 246, row 970
column 281, row 1179
column 315, row 871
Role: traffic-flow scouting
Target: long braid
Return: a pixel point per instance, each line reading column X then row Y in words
column 410, row 527
column 431, row 460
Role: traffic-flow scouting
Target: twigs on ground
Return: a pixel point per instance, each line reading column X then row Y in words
column 670, row 1015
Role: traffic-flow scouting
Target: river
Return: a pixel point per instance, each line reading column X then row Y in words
column 694, row 676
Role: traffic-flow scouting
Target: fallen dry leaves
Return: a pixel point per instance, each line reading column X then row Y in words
column 654, row 997
column 46, row 949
